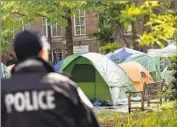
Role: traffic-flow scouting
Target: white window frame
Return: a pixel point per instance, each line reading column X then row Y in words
column 51, row 26
column 22, row 29
column 27, row 24
column 45, row 24
column 79, row 25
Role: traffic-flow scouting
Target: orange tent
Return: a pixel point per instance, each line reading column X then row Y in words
column 137, row 73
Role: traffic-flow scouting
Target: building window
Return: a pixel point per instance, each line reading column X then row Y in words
column 26, row 26
column 22, row 26
column 57, row 54
column 79, row 24
column 45, row 27
column 55, row 29
column 128, row 31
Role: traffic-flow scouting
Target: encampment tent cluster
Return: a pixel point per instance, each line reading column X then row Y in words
column 108, row 77
column 151, row 64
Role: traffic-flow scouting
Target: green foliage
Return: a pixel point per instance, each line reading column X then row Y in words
column 109, row 47
column 173, row 66
column 132, row 12
column 116, row 17
column 109, row 21
column 162, row 25
column 162, row 29
column 129, row 14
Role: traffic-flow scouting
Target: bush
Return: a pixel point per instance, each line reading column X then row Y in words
column 172, row 88
column 110, row 47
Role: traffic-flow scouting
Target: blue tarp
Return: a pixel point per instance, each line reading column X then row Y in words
column 97, row 102
column 123, row 53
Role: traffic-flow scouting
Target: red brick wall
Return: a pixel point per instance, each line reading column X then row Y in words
column 91, row 25
column 37, row 25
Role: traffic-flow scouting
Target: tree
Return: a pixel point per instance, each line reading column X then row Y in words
column 109, row 47
column 152, row 22
column 109, row 22
column 156, row 18
column 59, row 11
column 160, row 19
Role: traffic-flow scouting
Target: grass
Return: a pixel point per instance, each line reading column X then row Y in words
column 167, row 117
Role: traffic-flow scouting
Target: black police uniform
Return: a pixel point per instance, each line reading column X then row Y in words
column 35, row 96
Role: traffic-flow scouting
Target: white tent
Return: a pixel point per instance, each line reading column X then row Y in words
column 164, row 52
column 109, row 54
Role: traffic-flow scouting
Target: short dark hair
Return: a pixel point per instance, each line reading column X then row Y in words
column 27, row 44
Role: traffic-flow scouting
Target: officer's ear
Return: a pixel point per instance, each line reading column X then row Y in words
column 43, row 54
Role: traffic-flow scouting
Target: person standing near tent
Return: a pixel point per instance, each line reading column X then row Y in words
column 35, row 96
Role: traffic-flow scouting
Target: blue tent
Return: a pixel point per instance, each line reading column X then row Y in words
column 58, row 65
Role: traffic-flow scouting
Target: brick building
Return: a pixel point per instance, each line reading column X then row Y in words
column 83, row 25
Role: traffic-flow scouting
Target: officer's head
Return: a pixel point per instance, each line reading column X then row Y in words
column 31, row 44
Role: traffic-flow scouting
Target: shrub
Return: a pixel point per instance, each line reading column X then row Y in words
column 110, row 47
column 172, row 88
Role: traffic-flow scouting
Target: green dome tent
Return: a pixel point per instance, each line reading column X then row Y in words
column 97, row 76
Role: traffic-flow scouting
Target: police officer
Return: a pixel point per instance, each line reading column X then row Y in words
column 35, row 96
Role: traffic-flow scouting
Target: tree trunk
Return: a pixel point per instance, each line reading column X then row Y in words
column 68, row 33
column 134, row 35
column 125, row 41
column 137, row 26
column 50, row 41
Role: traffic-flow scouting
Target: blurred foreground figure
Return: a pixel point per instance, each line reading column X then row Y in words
column 35, row 96
column 4, row 72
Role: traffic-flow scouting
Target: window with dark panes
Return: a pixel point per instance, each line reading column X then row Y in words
column 57, row 54
column 56, row 31
column 55, row 28
column 44, row 27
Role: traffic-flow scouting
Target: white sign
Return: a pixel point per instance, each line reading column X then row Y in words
column 80, row 49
